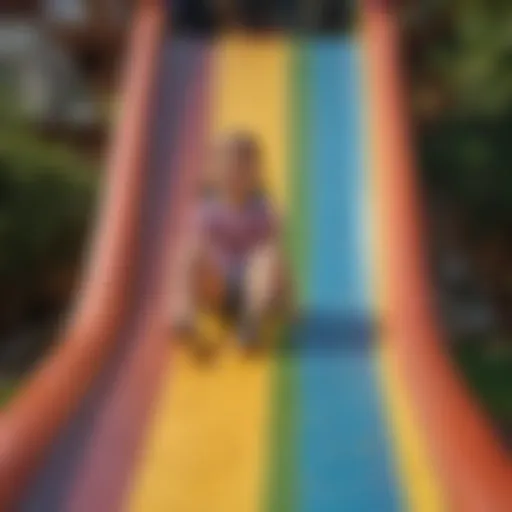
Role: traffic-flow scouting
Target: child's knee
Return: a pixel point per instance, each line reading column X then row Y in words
column 264, row 262
column 263, row 278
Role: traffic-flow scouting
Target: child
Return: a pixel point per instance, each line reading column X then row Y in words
column 235, row 264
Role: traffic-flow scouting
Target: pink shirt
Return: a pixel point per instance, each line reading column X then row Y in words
column 233, row 233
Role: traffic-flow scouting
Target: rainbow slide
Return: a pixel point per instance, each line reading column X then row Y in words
column 358, row 408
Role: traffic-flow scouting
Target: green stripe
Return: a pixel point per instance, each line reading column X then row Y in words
column 298, row 243
column 282, row 477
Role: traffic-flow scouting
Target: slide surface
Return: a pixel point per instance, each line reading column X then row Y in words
column 334, row 418
column 209, row 445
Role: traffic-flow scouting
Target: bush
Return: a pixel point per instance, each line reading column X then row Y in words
column 45, row 201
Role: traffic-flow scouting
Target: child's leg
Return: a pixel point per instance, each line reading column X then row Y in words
column 210, row 286
column 203, row 286
column 264, row 283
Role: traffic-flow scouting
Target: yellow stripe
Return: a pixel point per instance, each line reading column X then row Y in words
column 251, row 94
column 206, row 449
column 420, row 488
column 419, row 485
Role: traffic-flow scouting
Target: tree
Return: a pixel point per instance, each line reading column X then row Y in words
column 459, row 54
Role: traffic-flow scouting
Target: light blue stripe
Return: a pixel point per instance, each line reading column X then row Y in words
column 344, row 464
column 335, row 173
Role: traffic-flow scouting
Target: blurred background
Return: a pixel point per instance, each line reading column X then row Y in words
column 59, row 64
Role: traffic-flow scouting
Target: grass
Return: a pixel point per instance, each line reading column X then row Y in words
column 488, row 369
column 8, row 388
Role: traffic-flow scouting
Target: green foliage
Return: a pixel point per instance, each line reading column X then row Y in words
column 468, row 159
column 465, row 49
column 465, row 150
column 472, row 56
column 488, row 369
column 45, row 202
column 478, row 66
column 8, row 388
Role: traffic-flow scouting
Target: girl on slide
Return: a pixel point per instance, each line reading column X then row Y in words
column 234, row 263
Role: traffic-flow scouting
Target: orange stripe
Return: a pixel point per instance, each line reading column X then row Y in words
column 420, row 489
column 475, row 471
